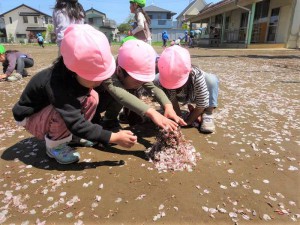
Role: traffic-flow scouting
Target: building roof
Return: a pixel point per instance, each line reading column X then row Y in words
column 94, row 10
column 218, row 8
column 186, row 9
column 217, row 5
column 153, row 8
column 39, row 12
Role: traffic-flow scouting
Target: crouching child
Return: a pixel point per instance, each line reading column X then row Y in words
column 60, row 101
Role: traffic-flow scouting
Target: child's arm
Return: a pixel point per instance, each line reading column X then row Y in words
column 115, row 88
column 201, row 96
column 176, row 107
column 194, row 114
column 164, row 101
column 161, row 120
column 140, row 23
column 3, row 76
column 12, row 59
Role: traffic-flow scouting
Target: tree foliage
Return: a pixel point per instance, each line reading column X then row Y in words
column 124, row 28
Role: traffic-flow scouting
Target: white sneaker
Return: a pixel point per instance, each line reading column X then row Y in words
column 14, row 77
column 207, row 125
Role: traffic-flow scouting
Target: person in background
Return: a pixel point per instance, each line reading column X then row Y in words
column 185, row 83
column 142, row 21
column 186, row 37
column 176, row 42
column 14, row 60
column 127, row 39
column 165, row 38
column 66, row 12
column 60, row 101
column 40, row 39
column 136, row 69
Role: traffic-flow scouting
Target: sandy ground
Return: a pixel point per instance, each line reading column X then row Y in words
column 248, row 174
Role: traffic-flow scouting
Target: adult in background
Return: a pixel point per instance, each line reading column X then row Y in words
column 66, row 12
column 14, row 60
column 142, row 21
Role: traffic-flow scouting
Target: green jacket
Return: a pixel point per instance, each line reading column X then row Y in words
column 120, row 94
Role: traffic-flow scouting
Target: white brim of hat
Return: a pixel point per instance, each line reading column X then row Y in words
column 143, row 78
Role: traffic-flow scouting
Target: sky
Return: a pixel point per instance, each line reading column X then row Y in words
column 117, row 10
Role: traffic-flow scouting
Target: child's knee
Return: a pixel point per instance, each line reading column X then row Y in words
column 211, row 80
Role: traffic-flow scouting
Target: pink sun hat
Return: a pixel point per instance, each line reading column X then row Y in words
column 86, row 51
column 174, row 66
column 138, row 59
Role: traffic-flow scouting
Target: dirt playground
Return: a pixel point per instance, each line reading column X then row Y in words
column 248, row 174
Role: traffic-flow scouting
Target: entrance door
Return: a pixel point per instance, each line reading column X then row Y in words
column 273, row 24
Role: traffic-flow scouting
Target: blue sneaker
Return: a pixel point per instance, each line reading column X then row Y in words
column 63, row 154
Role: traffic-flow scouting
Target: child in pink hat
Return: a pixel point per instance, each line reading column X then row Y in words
column 188, row 84
column 136, row 69
column 60, row 101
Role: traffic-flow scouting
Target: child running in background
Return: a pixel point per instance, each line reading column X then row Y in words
column 136, row 69
column 165, row 38
column 40, row 40
column 66, row 12
column 14, row 60
column 188, row 84
column 142, row 21
column 60, row 101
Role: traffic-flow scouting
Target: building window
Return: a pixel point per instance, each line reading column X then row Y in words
column 261, row 10
column 273, row 24
column 25, row 19
column 35, row 19
column 91, row 21
column 10, row 20
column 244, row 19
column 21, row 35
column 219, row 20
column 161, row 22
column 227, row 21
column 46, row 19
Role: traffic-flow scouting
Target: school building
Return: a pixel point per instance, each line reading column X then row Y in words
column 249, row 23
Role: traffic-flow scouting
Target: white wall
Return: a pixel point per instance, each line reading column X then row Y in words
column 285, row 14
column 284, row 19
column 294, row 36
column 17, row 22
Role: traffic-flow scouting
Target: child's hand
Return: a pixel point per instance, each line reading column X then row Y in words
column 124, row 138
column 195, row 123
column 3, row 76
column 171, row 114
column 160, row 120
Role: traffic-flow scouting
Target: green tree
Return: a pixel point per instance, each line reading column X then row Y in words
column 124, row 28
column 185, row 26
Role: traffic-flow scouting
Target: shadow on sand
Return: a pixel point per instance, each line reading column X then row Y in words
column 31, row 151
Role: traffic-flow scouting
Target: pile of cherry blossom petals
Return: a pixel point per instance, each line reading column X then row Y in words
column 172, row 152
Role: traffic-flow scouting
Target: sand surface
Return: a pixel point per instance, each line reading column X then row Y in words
column 248, row 174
